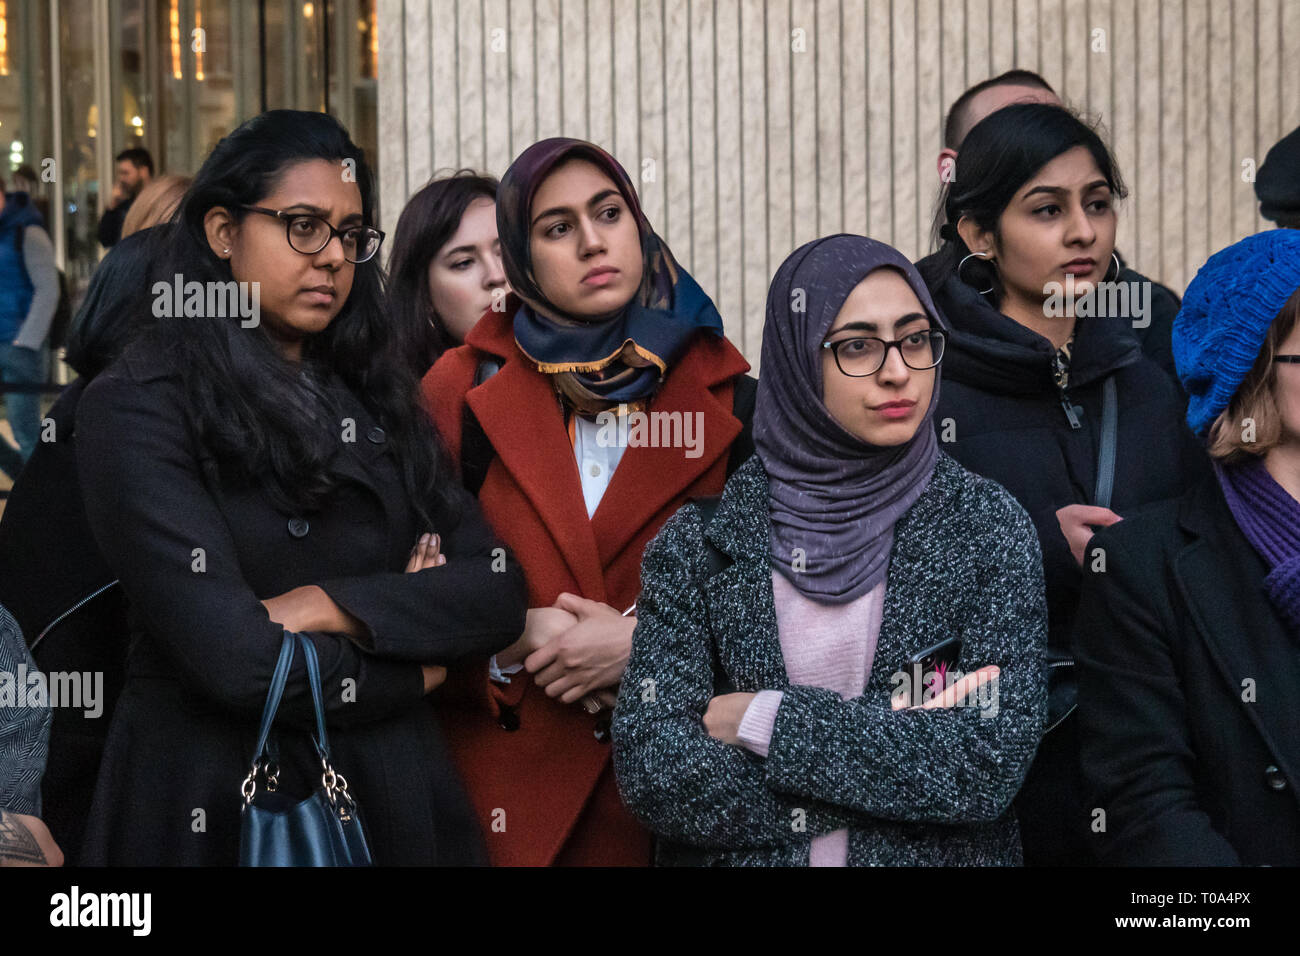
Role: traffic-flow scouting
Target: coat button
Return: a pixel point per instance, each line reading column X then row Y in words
column 298, row 527
column 1273, row 777
column 376, row 435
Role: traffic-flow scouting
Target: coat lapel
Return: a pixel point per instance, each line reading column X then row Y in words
column 921, row 584
column 740, row 601
column 647, row 479
column 359, row 460
column 917, row 591
column 1221, row 579
column 519, row 414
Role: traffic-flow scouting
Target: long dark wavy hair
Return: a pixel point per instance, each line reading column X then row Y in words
column 269, row 421
column 999, row 155
column 428, row 222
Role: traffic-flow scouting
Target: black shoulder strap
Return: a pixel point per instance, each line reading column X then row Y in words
column 742, row 406
column 1106, row 452
column 476, row 452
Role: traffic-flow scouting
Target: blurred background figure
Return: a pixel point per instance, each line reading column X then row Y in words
column 29, row 295
column 156, row 203
column 1277, row 184
column 133, row 169
column 445, row 270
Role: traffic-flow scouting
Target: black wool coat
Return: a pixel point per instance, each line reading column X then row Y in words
column 72, row 613
column 1187, row 697
column 196, row 555
column 1001, row 415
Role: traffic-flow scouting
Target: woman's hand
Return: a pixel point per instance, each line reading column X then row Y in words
column 1076, row 523
column 433, row 676
column 723, row 716
column 425, row 554
column 309, row 608
column 25, row 840
column 541, row 626
column 958, row 691
column 589, row 656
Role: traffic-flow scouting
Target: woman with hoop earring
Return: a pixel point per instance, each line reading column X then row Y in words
column 1065, row 412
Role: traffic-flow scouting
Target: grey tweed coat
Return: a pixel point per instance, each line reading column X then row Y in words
column 24, row 731
column 914, row 787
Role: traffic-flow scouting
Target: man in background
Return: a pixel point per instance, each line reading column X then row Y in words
column 134, row 169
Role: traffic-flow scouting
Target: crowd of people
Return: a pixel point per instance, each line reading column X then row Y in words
column 997, row 561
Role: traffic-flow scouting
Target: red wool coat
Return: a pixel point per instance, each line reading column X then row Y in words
column 545, row 793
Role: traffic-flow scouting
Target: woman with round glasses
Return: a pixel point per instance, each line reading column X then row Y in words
column 1046, row 390
column 309, row 233
column 842, row 665
column 272, row 470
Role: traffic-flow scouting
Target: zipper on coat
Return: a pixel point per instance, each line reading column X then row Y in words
column 69, row 612
column 1066, row 405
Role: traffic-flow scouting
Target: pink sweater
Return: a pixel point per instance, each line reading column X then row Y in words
column 824, row 645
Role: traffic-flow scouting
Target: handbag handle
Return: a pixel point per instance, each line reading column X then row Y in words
column 317, row 698
column 279, row 678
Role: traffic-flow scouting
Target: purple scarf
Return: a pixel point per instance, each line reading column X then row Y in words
column 832, row 497
column 1270, row 519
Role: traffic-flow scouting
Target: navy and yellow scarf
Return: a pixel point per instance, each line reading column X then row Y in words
column 597, row 364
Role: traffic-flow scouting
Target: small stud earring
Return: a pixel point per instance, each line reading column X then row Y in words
column 225, row 252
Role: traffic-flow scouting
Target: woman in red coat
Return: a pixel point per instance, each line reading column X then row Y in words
column 584, row 414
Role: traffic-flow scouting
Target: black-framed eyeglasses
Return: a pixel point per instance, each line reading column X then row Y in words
column 310, row 234
column 861, row 356
column 1287, row 358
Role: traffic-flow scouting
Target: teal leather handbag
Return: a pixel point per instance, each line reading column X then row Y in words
column 274, row 828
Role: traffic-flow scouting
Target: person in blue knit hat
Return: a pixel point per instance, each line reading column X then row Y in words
column 1188, row 637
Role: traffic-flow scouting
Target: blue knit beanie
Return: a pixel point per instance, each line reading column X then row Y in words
column 1226, row 315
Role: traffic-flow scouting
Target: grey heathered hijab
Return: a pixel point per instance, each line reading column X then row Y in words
column 831, row 495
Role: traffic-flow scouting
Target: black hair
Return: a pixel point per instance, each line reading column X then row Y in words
column 1000, row 154
column 267, row 420
column 137, row 156
column 428, row 222
column 956, row 118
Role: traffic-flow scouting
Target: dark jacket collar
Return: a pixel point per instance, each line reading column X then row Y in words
column 993, row 352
